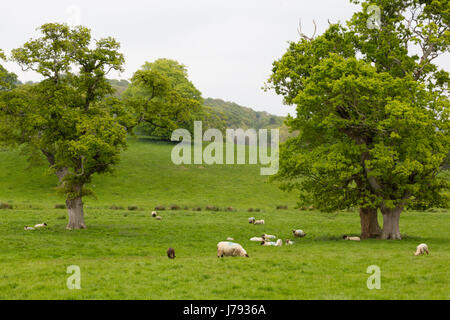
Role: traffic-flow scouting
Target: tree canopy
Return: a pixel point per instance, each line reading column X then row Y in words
column 164, row 98
column 373, row 115
column 66, row 117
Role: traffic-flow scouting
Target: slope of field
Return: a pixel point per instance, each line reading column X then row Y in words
column 122, row 253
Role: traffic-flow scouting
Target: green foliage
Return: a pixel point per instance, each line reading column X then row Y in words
column 8, row 80
column 373, row 121
column 237, row 116
column 164, row 98
column 66, row 116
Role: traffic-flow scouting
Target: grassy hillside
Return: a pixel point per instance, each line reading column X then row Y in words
column 122, row 253
column 237, row 116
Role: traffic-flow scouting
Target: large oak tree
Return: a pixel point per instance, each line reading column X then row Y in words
column 372, row 111
column 67, row 116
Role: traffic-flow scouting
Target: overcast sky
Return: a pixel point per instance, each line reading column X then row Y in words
column 228, row 46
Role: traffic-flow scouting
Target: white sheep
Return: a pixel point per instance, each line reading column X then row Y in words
column 28, row 228
column 268, row 236
column 258, row 222
column 298, row 233
column 158, row 218
column 421, row 249
column 259, row 239
column 154, row 214
column 226, row 248
column 40, row 225
column 289, row 242
column 352, row 238
column 230, row 239
column 279, row 243
column 251, row 220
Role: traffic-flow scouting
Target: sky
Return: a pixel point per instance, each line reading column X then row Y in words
column 228, row 46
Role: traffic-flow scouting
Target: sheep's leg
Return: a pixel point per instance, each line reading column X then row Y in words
column 219, row 253
column 426, row 250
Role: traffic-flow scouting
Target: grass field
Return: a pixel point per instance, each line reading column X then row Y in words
column 122, row 253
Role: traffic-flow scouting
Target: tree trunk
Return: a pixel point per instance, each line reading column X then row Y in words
column 391, row 220
column 369, row 223
column 76, row 214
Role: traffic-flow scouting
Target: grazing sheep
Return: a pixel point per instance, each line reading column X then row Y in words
column 40, row 225
column 171, row 253
column 258, row 222
column 251, row 220
column 154, row 214
column 351, row 238
column 289, row 242
column 28, row 228
column 298, row 233
column 230, row 239
column 268, row 236
column 421, row 249
column 274, row 244
column 259, row 239
column 225, row 248
column 158, row 218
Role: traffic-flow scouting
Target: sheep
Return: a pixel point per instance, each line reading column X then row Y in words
column 158, row 218
column 40, row 225
column 351, row 238
column 171, row 253
column 268, row 236
column 28, row 228
column 298, row 233
column 230, row 239
column 289, row 242
column 225, row 248
column 421, row 249
column 258, row 222
column 154, row 214
column 274, row 244
column 251, row 220
column 259, row 239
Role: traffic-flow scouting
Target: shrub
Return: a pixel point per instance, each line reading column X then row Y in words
column 132, row 208
column 282, row 207
column 212, row 208
column 174, row 207
column 114, row 207
column 160, row 208
column 60, row 206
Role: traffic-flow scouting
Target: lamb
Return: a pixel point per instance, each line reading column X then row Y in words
column 251, row 220
column 298, row 233
column 351, row 238
column 40, row 225
column 225, row 248
column 289, row 242
column 269, row 243
column 158, row 218
column 28, row 228
column 268, row 236
column 421, row 249
column 259, row 239
column 154, row 214
column 171, row 253
column 258, row 222
column 230, row 239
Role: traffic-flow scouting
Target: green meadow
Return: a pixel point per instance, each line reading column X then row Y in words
column 122, row 254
